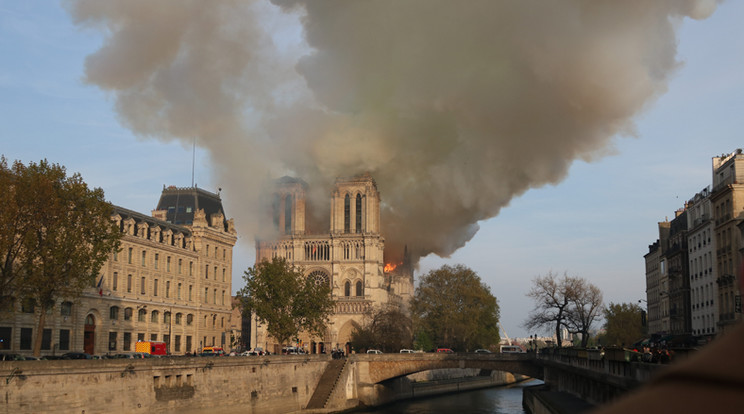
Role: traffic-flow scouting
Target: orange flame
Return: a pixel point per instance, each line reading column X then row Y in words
column 390, row 267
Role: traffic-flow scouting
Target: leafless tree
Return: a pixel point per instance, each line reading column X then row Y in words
column 566, row 301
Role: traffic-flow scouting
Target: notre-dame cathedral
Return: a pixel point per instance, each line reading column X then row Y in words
column 349, row 257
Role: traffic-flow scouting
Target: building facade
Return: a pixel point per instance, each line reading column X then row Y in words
column 727, row 202
column 678, row 275
column 170, row 281
column 657, row 283
column 349, row 257
column 702, row 265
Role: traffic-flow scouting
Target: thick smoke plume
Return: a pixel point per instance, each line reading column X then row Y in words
column 454, row 107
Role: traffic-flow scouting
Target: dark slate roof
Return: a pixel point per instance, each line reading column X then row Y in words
column 182, row 202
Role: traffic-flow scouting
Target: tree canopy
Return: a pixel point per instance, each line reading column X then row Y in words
column 388, row 329
column 623, row 324
column 566, row 302
column 453, row 308
column 285, row 300
column 55, row 235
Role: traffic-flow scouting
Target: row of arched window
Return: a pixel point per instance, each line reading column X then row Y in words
column 154, row 316
column 357, row 214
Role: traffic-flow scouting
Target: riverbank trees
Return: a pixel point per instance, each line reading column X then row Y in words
column 564, row 302
column 55, row 234
column 453, row 308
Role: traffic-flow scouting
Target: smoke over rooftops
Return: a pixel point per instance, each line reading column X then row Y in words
column 454, row 108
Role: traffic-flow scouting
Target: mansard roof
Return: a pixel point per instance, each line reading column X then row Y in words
column 181, row 203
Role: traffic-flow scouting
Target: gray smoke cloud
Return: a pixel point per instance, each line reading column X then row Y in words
column 454, row 107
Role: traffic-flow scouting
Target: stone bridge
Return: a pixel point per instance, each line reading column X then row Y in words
column 374, row 369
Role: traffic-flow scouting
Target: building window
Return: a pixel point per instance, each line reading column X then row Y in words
column 206, row 295
column 64, row 339
column 129, row 256
column 178, row 291
column 140, row 337
column 142, row 315
column 214, row 297
column 114, row 313
column 180, row 262
column 189, row 319
column 166, row 318
column 144, row 258
column 359, row 290
column 347, row 214
column 167, row 264
column 46, row 339
column 206, row 272
column 223, row 274
column 188, row 343
column 214, row 274
column 5, row 337
column 206, row 251
column 358, row 213
column 215, row 252
column 143, row 286
column 223, row 297
column 155, row 288
column 347, row 288
column 66, row 309
column 179, row 317
column 191, row 268
column 128, row 314
column 26, row 338
column 154, row 337
column 224, row 253
column 116, row 281
column 129, row 283
column 28, row 305
column 127, row 341
column 112, row 341
column 157, row 259
column 178, row 343
column 167, row 289
column 190, row 292
column 154, row 316
column 116, row 255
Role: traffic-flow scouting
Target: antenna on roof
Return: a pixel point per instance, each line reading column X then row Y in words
column 193, row 161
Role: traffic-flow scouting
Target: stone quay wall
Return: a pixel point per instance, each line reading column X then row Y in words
column 275, row 384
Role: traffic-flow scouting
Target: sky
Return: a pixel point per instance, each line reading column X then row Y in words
column 591, row 215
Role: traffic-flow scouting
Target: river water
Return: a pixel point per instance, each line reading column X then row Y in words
column 501, row 400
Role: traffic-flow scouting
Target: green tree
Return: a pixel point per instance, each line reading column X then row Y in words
column 623, row 324
column 566, row 302
column 387, row 329
column 57, row 233
column 454, row 308
column 285, row 300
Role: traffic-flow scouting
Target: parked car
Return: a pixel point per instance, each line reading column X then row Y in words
column 482, row 351
column 445, row 351
column 131, row 355
column 407, row 351
column 77, row 355
column 11, row 357
column 374, row 351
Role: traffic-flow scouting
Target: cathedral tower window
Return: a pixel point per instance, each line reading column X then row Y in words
column 288, row 215
column 358, row 213
column 347, row 289
column 319, row 277
column 359, row 290
column 347, row 214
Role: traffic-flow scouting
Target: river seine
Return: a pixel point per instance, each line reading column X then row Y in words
column 501, row 400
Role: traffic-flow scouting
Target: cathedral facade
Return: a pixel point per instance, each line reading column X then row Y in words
column 349, row 257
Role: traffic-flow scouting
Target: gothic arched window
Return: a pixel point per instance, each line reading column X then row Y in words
column 359, row 290
column 359, row 213
column 347, row 288
column 347, row 214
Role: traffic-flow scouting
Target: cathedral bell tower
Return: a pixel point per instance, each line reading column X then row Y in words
column 288, row 207
column 355, row 206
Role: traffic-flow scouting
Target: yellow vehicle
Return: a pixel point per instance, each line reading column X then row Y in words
column 212, row 350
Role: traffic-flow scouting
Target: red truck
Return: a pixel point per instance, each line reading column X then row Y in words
column 151, row 347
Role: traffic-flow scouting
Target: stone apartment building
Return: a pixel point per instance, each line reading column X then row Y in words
column 701, row 249
column 170, row 281
column 692, row 279
column 727, row 202
column 349, row 256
